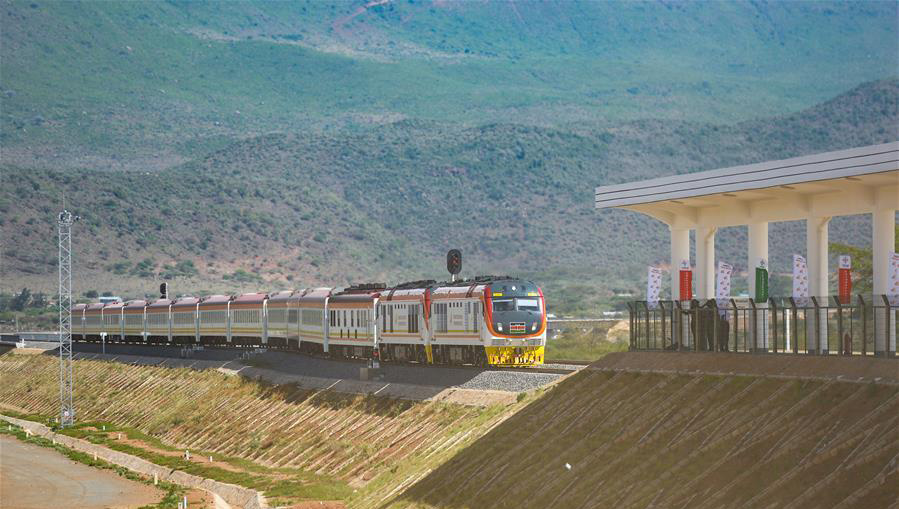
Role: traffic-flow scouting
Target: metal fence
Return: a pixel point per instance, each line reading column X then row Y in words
column 866, row 325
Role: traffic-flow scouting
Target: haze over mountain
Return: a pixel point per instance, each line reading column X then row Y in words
column 237, row 146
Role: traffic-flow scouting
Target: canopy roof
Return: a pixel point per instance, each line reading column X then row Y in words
column 843, row 182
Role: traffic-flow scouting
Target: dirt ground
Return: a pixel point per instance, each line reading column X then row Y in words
column 36, row 477
column 789, row 365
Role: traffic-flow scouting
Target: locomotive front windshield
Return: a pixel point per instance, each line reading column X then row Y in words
column 520, row 304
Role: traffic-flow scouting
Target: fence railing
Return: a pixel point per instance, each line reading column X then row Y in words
column 865, row 325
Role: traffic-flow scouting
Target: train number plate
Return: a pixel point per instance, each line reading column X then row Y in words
column 517, row 327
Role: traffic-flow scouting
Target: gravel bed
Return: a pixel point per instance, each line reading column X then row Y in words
column 570, row 367
column 509, row 381
column 299, row 364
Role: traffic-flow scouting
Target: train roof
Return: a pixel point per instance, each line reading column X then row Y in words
column 403, row 294
column 114, row 305
column 458, row 292
column 215, row 300
column 316, row 293
column 363, row 289
column 96, row 306
column 79, row 307
column 160, row 303
column 136, row 304
column 250, row 298
column 185, row 302
column 354, row 297
column 282, row 296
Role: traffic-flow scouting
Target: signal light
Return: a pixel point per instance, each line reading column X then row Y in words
column 164, row 291
column 454, row 261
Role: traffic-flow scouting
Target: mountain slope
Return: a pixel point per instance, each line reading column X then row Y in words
column 149, row 85
column 307, row 208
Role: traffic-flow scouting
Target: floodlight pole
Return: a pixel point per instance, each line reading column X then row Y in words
column 66, row 375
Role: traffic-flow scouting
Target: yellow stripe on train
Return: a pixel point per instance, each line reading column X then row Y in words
column 514, row 355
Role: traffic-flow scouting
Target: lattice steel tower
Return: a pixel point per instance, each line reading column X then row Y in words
column 66, row 374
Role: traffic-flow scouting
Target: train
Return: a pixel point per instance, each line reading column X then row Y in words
column 482, row 321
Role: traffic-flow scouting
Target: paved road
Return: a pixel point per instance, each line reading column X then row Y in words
column 37, row 477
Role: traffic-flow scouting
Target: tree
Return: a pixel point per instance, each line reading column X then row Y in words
column 20, row 301
column 39, row 300
column 91, row 294
column 862, row 264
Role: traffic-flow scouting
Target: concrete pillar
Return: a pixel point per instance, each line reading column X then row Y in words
column 758, row 250
column 883, row 244
column 705, row 263
column 680, row 251
column 816, row 256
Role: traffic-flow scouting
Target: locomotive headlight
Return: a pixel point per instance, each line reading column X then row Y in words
column 534, row 327
column 499, row 326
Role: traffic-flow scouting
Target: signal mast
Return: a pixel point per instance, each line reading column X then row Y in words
column 66, row 374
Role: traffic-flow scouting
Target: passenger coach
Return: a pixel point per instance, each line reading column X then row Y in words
column 487, row 320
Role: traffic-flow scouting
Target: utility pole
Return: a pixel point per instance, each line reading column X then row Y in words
column 66, row 375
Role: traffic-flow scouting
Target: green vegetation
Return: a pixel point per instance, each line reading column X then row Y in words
column 862, row 265
column 276, row 144
column 31, row 311
column 283, row 485
column 259, row 66
column 344, row 225
column 584, row 345
column 242, row 276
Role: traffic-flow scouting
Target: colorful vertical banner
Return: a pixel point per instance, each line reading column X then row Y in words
column 653, row 287
column 800, row 280
column 686, row 281
column 893, row 281
column 845, row 281
column 722, row 284
column 761, row 282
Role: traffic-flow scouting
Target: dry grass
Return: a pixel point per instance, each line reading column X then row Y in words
column 371, row 444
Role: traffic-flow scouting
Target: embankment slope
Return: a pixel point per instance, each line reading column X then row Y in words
column 653, row 439
column 374, row 445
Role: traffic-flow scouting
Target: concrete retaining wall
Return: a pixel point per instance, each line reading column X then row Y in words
column 235, row 496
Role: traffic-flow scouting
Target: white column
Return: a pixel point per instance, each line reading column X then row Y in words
column 883, row 243
column 705, row 263
column 680, row 251
column 758, row 250
column 816, row 254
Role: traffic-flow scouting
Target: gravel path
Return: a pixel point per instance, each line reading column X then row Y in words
column 298, row 364
column 37, row 477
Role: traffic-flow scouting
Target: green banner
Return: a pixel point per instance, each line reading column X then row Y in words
column 761, row 284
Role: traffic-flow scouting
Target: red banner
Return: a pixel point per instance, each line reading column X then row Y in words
column 845, row 279
column 845, row 286
column 686, row 285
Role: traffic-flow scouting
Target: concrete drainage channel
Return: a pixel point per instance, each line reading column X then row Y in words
column 226, row 495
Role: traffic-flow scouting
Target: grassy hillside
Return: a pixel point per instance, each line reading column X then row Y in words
column 144, row 85
column 267, row 145
column 385, row 203
column 629, row 440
